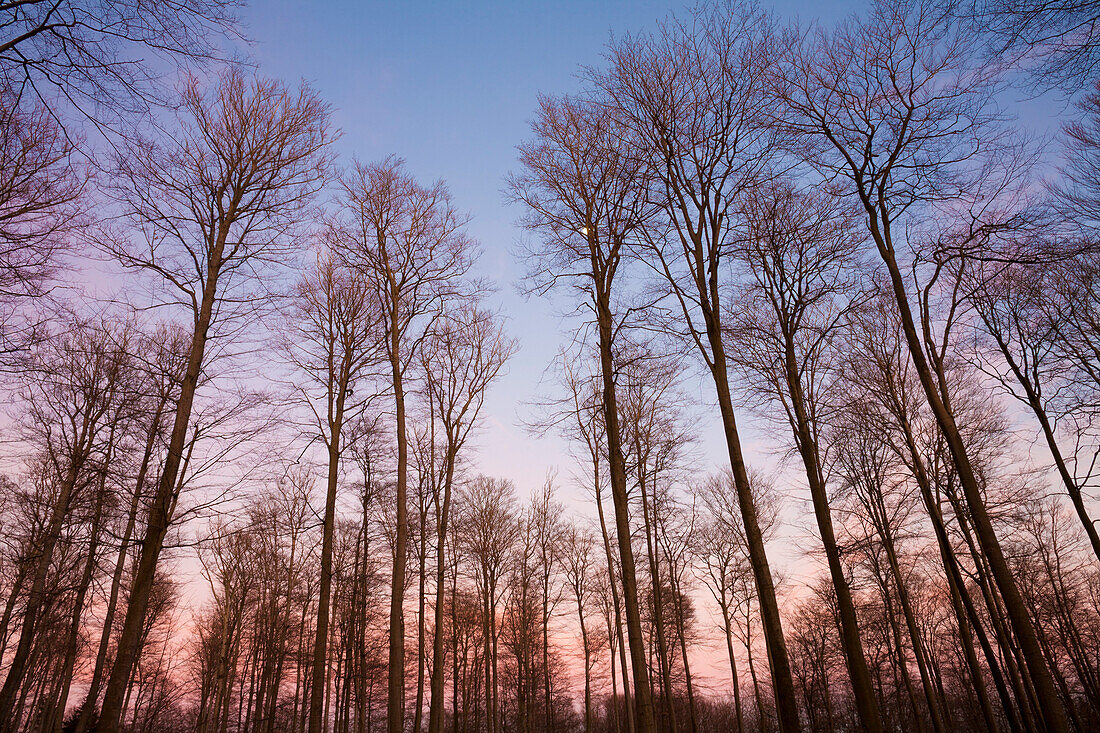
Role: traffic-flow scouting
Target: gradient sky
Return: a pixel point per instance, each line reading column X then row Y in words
column 450, row 87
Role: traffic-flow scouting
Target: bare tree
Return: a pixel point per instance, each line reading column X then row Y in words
column 162, row 359
column 331, row 340
column 465, row 353
column 408, row 242
column 1014, row 305
column 209, row 210
column 580, row 571
column 580, row 420
column 489, row 531
column 694, row 94
column 892, row 105
column 76, row 388
column 721, row 548
column 586, row 200
column 1057, row 43
column 797, row 247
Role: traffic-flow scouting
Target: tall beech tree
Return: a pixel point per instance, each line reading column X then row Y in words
column 332, row 340
column 209, row 210
column 693, row 95
column 797, row 248
column 466, row 351
column 408, row 242
column 894, row 105
column 586, row 200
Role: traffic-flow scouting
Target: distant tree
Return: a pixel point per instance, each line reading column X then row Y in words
column 332, row 339
column 586, row 200
column 489, row 531
column 77, row 383
column 719, row 545
column 580, row 569
column 465, row 353
column 408, row 242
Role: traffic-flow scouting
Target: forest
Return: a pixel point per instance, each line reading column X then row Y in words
column 245, row 382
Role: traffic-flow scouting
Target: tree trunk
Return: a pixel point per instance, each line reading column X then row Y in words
column 785, row 700
column 395, row 695
column 435, row 704
column 82, row 588
column 418, row 712
column 642, row 700
column 324, row 593
column 727, row 627
column 1022, row 626
column 866, row 704
column 163, row 504
column 36, row 596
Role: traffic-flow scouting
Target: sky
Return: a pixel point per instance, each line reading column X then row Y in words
column 451, row 87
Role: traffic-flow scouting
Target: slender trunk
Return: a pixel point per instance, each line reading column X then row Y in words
column 615, row 600
column 454, row 660
column 85, row 583
column 36, row 596
column 860, row 677
column 960, row 597
column 395, row 690
column 760, row 712
column 678, row 606
column 487, row 644
column 324, row 593
column 930, row 697
column 663, row 662
column 642, row 700
column 1018, row 616
column 418, row 712
column 614, row 680
column 728, row 628
column 783, row 685
column 972, row 663
column 587, row 666
column 160, row 512
column 435, row 704
column 1017, row 674
column 92, row 698
column 546, row 643
column 901, row 667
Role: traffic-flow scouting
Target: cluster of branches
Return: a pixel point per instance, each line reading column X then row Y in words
column 838, row 229
column 841, row 227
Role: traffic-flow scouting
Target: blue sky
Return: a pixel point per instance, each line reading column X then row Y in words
column 450, row 87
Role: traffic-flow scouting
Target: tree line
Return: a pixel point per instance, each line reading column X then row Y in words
column 837, row 234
